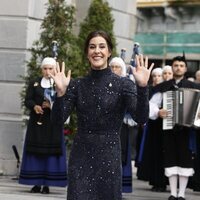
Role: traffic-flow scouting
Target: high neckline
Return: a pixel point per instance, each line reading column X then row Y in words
column 100, row 73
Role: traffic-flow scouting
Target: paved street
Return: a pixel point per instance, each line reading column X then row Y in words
column 11, row 190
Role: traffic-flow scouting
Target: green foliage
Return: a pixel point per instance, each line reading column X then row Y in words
column 99, row 18
column 57, row 25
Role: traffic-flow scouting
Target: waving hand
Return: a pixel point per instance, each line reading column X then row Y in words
column 60, row 79
column 141, row 72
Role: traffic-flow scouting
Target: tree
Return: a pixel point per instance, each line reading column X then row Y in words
column 99, row 18
column 56, row 25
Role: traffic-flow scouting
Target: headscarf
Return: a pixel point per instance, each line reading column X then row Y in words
column 167, row 67
column 121, row 63
column 157, row 70
column 48, row 61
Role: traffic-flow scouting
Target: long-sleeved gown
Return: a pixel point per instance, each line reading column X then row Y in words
column 101, row 100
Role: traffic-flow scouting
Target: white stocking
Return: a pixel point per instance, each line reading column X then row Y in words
column 173, row 180
column 183, row 180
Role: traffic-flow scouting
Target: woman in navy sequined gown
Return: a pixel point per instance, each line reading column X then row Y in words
column 101, row 99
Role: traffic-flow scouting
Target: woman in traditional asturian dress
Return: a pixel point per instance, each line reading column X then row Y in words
column 44, row 155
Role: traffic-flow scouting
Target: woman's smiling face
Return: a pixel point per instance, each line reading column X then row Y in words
column 98, row 53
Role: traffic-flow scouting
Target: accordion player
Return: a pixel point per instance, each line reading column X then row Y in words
column 183, row 107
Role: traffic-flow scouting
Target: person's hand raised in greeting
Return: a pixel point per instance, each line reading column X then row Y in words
column 60, row 79
column 141, row 72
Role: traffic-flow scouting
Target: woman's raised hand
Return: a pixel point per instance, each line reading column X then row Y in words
column 141, row 72
column 60, row 79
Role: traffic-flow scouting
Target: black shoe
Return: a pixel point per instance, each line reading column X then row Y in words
column 154, row 189
column 196, row 188
column 181, row 198
column 45, row 190
column 172, row 198
column 161, row 189
column 35, row 189
column 158, row 189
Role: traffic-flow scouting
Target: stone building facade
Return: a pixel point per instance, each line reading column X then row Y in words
column 20, row 22
column 167, row 28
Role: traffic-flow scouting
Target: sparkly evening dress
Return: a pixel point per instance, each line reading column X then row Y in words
column 101, row 100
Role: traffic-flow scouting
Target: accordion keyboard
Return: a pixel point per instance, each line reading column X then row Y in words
column 168, row 105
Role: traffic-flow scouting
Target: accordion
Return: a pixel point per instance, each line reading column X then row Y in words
column 183, row 106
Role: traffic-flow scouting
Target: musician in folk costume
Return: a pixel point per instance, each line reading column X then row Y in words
column 178, row 161
column 156, row 166
column 44, row 155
